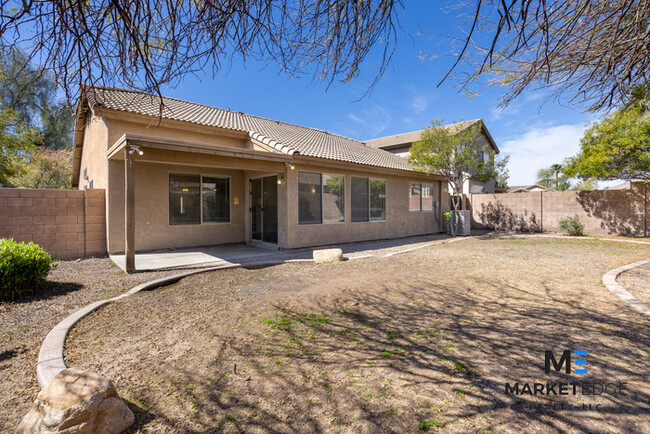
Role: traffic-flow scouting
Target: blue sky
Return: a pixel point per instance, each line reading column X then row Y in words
column 534, row 133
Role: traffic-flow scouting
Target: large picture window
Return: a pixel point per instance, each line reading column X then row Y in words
column 420, row 197
column 321, row 198
column 216, row 200
column 368, row 199
column 194, row 199
column 377, row 199
column 333, row 198
column 309, row 198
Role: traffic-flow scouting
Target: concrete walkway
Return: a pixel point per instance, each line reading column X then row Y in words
column 241, row 253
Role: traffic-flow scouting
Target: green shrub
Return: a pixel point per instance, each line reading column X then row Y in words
column 572, row 226
column 23, row 266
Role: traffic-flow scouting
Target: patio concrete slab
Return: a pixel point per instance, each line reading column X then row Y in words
column 160, row 259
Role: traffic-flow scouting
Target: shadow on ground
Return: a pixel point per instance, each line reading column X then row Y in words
column 417, row 357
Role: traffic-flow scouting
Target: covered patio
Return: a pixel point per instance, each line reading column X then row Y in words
column 147, row 168
column 173, row 258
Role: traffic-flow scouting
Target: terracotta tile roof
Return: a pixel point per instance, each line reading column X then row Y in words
column 287, row 138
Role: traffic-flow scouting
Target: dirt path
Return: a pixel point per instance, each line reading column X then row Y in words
column 424, row 340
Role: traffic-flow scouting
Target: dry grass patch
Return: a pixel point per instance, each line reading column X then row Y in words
column 420, row 341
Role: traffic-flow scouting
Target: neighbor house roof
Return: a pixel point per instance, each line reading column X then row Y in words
column 414, row 136
column 287, row 138
column 623, row 186
column 525, row 188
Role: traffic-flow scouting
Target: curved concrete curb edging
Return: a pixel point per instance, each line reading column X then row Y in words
column 609, row 279
column 50, row 357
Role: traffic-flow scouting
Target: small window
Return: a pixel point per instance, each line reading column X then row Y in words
column 360, row 208
column 427, row 197
column 184, row 199
column 309, row 198
column 216, row 200
column 377, row 199
column 415, row 197
column 333, row 198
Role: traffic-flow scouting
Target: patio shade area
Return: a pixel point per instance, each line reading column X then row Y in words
column 161, row 259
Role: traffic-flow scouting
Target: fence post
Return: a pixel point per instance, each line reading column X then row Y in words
column 541, row 210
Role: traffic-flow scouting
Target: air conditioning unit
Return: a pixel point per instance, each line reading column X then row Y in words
column 464, row 223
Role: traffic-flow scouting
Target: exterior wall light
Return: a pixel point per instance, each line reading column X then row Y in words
column 135, row 148
column 289, row 166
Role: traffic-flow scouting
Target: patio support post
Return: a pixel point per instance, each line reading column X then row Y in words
column 129, row 211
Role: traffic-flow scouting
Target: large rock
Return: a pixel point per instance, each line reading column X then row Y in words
column 78, row 402
column 328, row 255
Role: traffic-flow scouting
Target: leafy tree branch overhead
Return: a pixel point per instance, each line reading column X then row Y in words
column 617, row 146
column 590, row 53
column 145, row 44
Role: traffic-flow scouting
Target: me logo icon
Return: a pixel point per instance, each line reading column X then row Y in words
column 565, row 361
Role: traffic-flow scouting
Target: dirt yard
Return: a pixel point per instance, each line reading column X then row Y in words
column 420, row 341
column 24, row 324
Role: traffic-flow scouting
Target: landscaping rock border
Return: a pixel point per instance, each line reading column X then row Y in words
column 609, row 279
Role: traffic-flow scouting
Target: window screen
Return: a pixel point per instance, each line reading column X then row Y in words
column 309, row 198
column 377, row 199
column 359, row 187
column 333, row 198
column 427, row 197
column 415, row 197
column 216, row 200
column 184, row 199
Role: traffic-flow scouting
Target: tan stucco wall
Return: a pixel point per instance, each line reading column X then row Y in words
column 93, row 157
column 153, row 230
column 400, row 222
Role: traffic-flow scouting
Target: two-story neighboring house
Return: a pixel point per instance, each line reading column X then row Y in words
column 400, row 144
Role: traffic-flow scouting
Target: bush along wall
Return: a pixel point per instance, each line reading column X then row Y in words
column 23, row 267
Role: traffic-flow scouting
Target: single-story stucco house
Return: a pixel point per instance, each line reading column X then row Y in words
column 400, row 144
column 183, row 174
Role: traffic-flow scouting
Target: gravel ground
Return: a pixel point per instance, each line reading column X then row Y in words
column 25, row 322
column 422, row 340
column 637, row 281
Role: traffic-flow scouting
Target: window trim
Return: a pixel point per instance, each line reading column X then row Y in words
column 370, row 219
column 201, row 175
